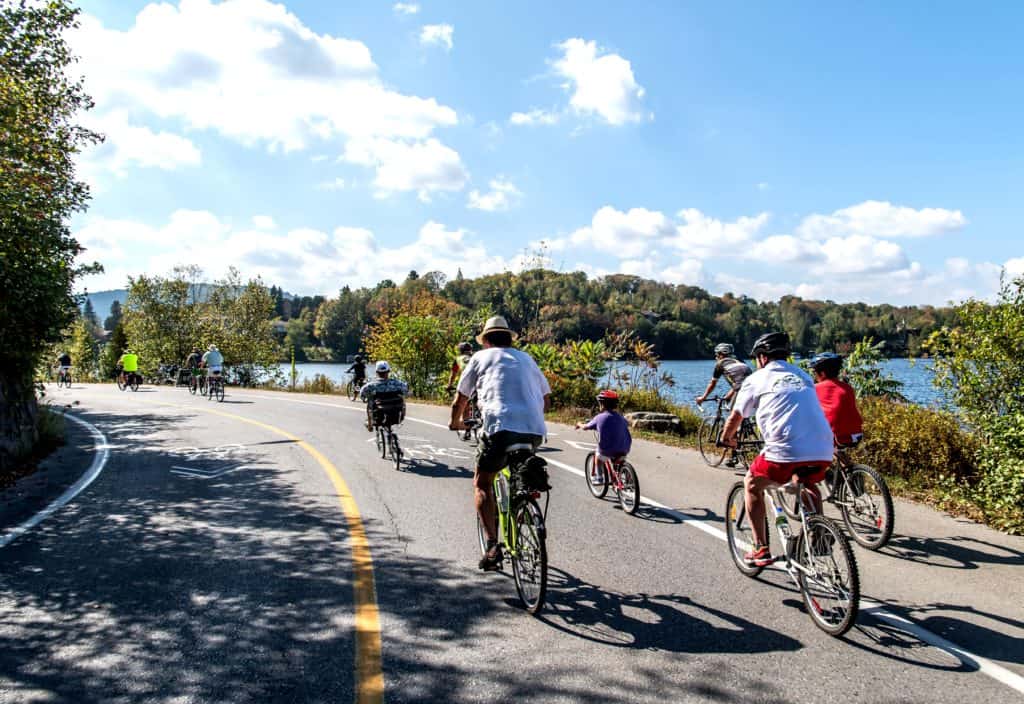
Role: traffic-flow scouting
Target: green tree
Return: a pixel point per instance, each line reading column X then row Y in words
column 83, row 351
column 112, row 351
column 114, row 319
column 161, row 319
column 40, row 104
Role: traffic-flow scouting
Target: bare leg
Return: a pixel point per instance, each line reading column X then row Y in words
column 755, row 487
column 483, row 483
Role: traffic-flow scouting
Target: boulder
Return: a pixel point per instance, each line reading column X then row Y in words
column 655, row 422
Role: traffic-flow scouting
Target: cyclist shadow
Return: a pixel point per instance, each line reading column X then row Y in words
column 670, row 622
column 953, row 552
column 427, row 467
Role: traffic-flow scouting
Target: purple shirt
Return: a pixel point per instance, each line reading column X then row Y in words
column 613, row 436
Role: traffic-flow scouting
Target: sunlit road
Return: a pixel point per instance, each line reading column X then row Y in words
column 212, row 561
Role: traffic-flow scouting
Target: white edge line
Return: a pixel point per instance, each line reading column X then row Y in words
column 981, row 664
column 99, row 460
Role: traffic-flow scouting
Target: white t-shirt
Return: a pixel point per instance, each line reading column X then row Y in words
column 789, row 415
column 510, row 390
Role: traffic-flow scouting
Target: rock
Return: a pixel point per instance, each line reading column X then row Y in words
column 655, row 422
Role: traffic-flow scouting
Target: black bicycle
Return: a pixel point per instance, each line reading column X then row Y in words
column 64, row 377
column 748, row 440
column 388, row 411
column 128, row 380
column 215, row 387
column 353, row 388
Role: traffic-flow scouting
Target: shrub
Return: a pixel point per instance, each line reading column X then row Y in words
column 319, row 384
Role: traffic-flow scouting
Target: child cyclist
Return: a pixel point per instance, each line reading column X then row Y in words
column 613, row 438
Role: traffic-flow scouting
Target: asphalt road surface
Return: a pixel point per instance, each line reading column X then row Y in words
column 223, row 554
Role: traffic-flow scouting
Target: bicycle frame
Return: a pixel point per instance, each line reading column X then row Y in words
column 787, row 537
column 506, row 527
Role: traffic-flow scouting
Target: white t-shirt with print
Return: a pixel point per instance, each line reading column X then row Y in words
column 510, row 390
column 789, row 415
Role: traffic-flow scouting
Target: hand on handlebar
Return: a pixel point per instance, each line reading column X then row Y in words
column 727, row 442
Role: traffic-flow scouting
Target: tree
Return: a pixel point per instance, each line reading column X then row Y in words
column 114, row 319
column 40, row 103
column 161, row 319
column 92, row 321
column 112, row 351
column 83, row 351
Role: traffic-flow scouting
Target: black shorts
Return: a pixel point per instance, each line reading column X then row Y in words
column 492, row 456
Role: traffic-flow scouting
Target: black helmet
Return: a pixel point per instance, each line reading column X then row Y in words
column 827, row 362
column 771, row 343
column 465, row 348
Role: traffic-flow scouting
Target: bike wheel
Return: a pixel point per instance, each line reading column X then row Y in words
column 352, row 391
column 395, row 450
column 220, row 391
column 597, row 488
column 121, row 386
column 530, row 555
column 866, row 506
column 707, row 438
column 831, row 584
column 134, row 381
column 738, row 531
column 381, row 444
column 629, row 494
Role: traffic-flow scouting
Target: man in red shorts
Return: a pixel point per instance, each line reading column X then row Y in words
column 795, row 431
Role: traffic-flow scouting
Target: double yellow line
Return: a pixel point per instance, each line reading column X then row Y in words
column 369, row 675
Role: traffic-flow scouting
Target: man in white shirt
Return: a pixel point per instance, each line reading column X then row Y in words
column 512, row 395
column 797, row 436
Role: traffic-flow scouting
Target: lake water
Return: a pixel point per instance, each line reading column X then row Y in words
column 691, row 376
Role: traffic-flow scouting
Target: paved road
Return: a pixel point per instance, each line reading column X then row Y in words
column 212, row 561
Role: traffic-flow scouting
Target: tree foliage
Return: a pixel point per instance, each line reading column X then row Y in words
column 40, row 103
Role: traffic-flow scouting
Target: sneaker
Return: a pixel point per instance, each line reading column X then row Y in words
column 597, row 478
column 491, row 560
column 759, row 556
column 733, row 461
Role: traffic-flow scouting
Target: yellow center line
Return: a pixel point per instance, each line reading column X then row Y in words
column 369, row 674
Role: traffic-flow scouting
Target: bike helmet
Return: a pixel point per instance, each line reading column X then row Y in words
column 359, row 359
column 724, row 348
column 382, row 367
column 828, row 362
column 607, row 395
column 771, row 343
column 465, row 348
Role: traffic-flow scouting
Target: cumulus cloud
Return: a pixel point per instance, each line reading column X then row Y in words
column 601, row 83
column 628, row 235
column 502, row 196
column 263, row 222
column 437, row 35
column 405, row 8
column 248, row 70
column 425, row 167
column 129, row 145
column 534, row 117
column 881, row 219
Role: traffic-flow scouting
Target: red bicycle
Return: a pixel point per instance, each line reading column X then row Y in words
column 615, row 472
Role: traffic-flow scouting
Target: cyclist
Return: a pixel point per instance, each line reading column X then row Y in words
column 735, row 373
column 613, row 438
column 213, row 361
column 192, row 363
column 63, row 365
column 382, row 386
column 512, row 395
column 464, row 352
column 838, row 399
column 128, row 363
column 358, row 371
column 795, row 431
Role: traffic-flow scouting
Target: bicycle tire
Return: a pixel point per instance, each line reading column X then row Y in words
column 395, row 450
column 597, row 490
column 193, row 386
column 628, row 500
column 530, row 555
column 738, row 533
column 831, row 553
column 876, row 529
column 381, row 445
column 121, row 386
column 707, row 438
column 220, row 392
column 134, row 382
column 352, row 391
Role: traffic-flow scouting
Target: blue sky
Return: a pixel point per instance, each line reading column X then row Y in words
column 870, row 152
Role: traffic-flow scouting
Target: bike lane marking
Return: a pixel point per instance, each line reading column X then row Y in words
column 99, row 460
column 369, row 671
column 976, row 662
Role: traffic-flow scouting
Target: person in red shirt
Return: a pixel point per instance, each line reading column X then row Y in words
column 837, row 398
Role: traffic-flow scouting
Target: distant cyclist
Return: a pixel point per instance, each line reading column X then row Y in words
column 735, row 373
column 193, row 364
column 63, row 365
column 381, row 387
column 128, row 364
column 838, row 399
column 795, row 431
column 358, row 371
column 512, row 394
column 613, row 438
column 213, row 361
column 464, row 351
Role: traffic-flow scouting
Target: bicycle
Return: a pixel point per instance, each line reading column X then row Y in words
column 862, row 497
column 520, row 528
column 473, row 420
column 388, row 412
column 817, row 555
column 128, row 380
column 196, row 381
column 63, row 377
column 748, row 440
column 215, row 387
column 353, row 388
column 619, row 474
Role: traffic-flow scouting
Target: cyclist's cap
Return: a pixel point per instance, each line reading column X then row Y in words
column 495, row 324
column 608, row 395
column 382, row 367
column 824, row 359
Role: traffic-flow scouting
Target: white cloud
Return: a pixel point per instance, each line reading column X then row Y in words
column 248, row 70
column 627, row 235
column 882, row 219
column 128, row 145
column 437, row 35
column 601, row 83
column 405, row 8
column 502, row 196
column 859, row 254
column 263, row 222
column 534, row 117
column 425, row 167
column 335, row 184
column 701, row 236
column 1014, row 267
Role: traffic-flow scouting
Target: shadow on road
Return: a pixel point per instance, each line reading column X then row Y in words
column 955, row 552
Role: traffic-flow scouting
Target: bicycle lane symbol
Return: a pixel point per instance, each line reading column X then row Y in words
column 215, row 462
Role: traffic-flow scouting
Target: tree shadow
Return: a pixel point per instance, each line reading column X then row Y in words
column 953, row 552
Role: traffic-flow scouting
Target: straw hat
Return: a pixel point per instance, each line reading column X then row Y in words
column 495, row 324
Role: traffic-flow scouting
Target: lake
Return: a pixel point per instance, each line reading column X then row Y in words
column 691, row 376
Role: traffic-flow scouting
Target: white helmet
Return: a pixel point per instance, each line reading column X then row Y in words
column 212, row 348
column 382, row 367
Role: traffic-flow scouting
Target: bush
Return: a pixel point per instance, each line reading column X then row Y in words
column 319, row 384
column 925, row 447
